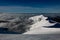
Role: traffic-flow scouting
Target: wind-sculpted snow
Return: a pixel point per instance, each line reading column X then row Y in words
column 37, row 27
column 37, row 18
column 25, row 23
column 41, row 25
column 40, row 21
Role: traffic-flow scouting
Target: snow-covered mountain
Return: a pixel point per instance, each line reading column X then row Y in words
column 40, row 26
column 28, row 24
column 40, row 21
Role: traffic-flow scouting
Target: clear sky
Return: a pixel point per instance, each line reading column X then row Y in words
column 30, row 6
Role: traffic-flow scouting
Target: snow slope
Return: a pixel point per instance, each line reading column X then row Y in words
column 39, row 26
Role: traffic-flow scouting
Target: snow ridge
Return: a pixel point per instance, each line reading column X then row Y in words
column 39, row 26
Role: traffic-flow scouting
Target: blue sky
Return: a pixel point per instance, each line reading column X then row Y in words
column 30, row 6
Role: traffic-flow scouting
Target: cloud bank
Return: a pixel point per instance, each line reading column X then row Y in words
column 22, row 9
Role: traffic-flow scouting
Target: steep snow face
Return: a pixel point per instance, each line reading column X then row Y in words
column 38, row 18
column 35, row 23
column 40, row 21
column 39, row 26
